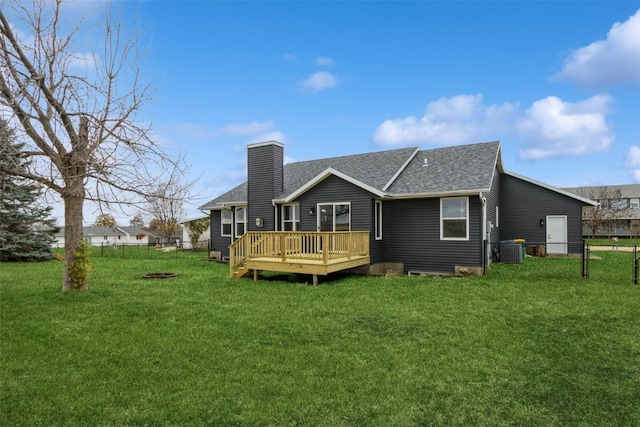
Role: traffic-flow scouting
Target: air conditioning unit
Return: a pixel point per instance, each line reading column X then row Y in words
column 511, row 253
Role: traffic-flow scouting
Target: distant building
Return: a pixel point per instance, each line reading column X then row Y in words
column 627, row 225
column 105, row 236
column 186, row 239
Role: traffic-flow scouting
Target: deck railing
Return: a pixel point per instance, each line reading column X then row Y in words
column 298, row 245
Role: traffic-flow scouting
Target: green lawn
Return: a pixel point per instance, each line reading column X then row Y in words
column 530, row 344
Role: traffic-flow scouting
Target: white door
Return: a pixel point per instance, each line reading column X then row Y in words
column 557, row 234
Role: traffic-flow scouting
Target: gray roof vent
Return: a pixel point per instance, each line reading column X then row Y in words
column 426, row 162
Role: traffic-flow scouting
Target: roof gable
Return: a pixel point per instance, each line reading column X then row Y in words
column 459, row 169
column 405, row 172
column 370, row 170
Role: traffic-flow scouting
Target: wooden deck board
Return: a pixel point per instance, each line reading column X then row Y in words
column 306, row 266
column 316, row 253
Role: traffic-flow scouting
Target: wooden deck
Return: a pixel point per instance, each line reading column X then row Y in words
column 298, row 252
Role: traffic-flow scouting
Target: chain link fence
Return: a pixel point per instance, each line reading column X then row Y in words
column 612, row 263
column 133, row 250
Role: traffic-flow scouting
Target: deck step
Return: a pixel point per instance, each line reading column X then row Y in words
column 242, row 271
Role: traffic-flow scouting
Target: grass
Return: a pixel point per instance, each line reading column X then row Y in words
column 530, row 344
column 622, row 241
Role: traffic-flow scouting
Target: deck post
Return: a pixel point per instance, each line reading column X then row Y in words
column 255, row 275
column 315, row 279
column 283, row 249
column 325, row 251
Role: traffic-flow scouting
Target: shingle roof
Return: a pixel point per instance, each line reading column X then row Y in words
column 394, row 172
column 96, row 231
column 108, row 231
column 450, row 169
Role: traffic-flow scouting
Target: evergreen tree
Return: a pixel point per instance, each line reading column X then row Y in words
column 26, row 229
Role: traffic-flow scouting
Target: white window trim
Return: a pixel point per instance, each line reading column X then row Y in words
column 378, row 219
column 222, row 222
column 236, row 222
column 296, row 209
column 442, row 219
column 497, row 217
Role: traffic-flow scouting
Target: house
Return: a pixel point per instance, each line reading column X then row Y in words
column 433, row 211
column 109, row 236
column 203, row 240
column 626, row 198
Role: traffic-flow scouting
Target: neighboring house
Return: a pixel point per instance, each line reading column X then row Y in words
column 186, row 239
column 435, row 210
column 175, row 239
column 137, row 236
column 628, row 224
column 104, row 236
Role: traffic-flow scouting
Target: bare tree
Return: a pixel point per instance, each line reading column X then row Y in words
column 166, row 206
column 76, row 107
column 137, row 220
column 611, row 208
column 105, row 220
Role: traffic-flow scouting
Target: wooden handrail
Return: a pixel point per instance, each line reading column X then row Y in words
column 298, row 245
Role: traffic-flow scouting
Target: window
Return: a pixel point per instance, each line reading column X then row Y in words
column 241, row 221
column 378, row 219
column 334, row 217
column 634, row 203
column 226, row 220
column 454, row 217
column 290, row 217
column 619, row 203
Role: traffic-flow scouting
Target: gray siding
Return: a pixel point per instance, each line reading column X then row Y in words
column 523, row 204
column 335, row 190
column 412, row 236
column 218, row 243
column 493, row 199
column 265, row 178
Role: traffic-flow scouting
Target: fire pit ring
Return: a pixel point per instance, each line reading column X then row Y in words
column 159, row 275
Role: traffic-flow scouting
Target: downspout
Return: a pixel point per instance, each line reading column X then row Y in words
column 484, row 252
column 275, row 215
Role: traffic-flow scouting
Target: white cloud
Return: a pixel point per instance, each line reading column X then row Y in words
column 247, row 129
column 271, row 136
column 323, row 61
column 84, row 61
column 447, row 121
column 633, row 157
column 549, row 128
column 193, row 130
column 632, row 161
column 613, row 61
column 319, row 81
column 554, row 128
column 235, row 129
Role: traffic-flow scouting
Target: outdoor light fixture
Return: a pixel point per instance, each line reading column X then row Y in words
column 541, row 222
column 312, row 211
column 259, row 222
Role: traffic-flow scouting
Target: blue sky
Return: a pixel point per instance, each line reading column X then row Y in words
column 557, row 82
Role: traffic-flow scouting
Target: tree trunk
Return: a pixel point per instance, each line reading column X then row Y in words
column 72, row 235
column 75, row 169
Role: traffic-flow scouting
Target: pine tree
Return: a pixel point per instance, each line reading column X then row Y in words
column 26, row 229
